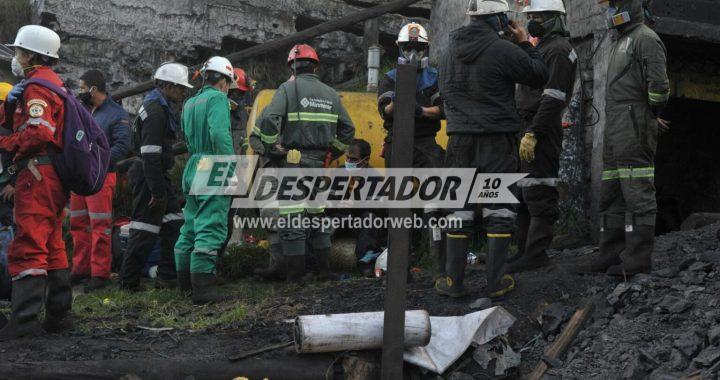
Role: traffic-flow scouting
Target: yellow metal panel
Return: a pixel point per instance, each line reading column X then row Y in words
column 696, row 86
column 362, row 107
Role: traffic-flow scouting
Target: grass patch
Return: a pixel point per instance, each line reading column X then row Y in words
column 112, row 308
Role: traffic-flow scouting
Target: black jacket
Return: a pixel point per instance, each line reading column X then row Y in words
column 427, row 95
column 479, row 76
column 154, row 131
column 544, row 105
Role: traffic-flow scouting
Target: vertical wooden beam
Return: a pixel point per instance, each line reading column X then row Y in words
column 399, row 244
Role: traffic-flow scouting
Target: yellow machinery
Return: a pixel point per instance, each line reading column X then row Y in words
column 362, row 107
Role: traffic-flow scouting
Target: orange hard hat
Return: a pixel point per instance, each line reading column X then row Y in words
column 302, row 52
column 241, row 79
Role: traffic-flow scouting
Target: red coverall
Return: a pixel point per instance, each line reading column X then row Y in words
column 39, row 203
column 91, row 228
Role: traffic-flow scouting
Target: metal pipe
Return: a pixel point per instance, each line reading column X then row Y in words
column 373, row 68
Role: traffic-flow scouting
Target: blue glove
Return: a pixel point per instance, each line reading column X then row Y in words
column 16, row 92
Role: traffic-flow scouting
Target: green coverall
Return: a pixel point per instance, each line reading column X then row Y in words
column 206, row 125
column 637, row 90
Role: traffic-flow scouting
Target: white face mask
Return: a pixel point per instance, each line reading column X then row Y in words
column 17, row 68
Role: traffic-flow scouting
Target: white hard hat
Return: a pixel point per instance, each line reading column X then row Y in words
column 223, row 66
column 174, row 73
column 487, row 7
column 413, row 32
column 38, row 39
column 545, row 6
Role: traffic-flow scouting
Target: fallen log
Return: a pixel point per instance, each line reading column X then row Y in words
column 562, row 343
column 287, row 41
column 355, row 332
column 291, row 368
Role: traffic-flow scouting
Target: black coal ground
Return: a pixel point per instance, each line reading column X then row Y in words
column 662, row 325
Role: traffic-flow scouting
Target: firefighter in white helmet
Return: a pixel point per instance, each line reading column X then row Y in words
column 156, row 209
column 478, row 81
column 414, row 43
column 541, row 112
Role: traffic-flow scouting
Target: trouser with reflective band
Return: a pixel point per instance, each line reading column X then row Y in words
column 38, row 246
column 495, row 153
column 91, row 230
column 149, row 223
column 628, row 179
column 203, row 234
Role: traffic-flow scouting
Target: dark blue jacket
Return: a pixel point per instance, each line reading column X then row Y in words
column 115, row 122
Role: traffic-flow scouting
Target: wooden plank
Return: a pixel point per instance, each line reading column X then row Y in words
column 287, row 41
column 562, row 343
column 399, row 239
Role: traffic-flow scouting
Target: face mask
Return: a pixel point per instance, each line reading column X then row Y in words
column 535, row 29
column 16, row 68
column 86, row 98
column 352, row 166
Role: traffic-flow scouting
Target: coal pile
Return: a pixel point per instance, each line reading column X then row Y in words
column 665, row 325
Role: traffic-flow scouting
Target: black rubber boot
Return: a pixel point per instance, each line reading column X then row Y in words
column 295, row 268
column 539, row 237
column 452, row 284
column 3, row 321
column 637, row 255
column 612, row 242
column 499, row 282
column 77, row 279
column 438, row 249
column 204, row 289
column 276, row 269
column 27, row 302
column 184, row 283
column 96, row 283
column 323, row 259
column 166, row 283
column 58, row 303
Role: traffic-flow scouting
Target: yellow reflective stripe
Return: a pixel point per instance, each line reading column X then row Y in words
column 658, row 97
column 312, row 116
column 506, row 289
column 499, row 235
column 267, row 139
column 339, row 145
column 315, row 210
column 627, row 173
column 455, row 236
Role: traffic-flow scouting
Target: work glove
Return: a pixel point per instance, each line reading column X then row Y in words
column 527, row 147
column 418, row 110
column 16, row 93
column 293, row 156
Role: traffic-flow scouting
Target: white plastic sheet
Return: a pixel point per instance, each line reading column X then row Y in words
column 451, row 337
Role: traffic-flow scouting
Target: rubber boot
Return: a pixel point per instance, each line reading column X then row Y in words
column 204, row 289
column 3, row 321
column 184, row 283
column 438, row 255
column 165, row 283
column 58, row 303
column 96, row 283
column 637, row 255
column 323, row 259
column 276, row 269
column 499, row 282
column 27, row 302
column 452, row 284
column 539, row 237
column 77, row 279
column 612, row 242
column 521, row 235
column 295, row 268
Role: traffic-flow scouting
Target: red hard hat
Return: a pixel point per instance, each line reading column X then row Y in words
column 241, row 80
column 303, row 52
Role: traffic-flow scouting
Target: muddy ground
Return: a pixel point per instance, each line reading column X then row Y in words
column 119, row 337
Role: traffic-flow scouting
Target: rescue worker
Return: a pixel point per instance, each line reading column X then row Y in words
column 307, row 123
column 637, row 91
column 206, row 126
column 37, row 259
column 478, row 83
column 240, row 99
column 91, row 217
column 156, row 209
column 414, row 45
column 541, row 112
column 6, row 201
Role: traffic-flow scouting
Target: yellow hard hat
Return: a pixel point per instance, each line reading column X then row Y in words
column 4, row 90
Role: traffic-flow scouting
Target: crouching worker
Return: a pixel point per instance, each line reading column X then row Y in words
column 306, row 122
column 37, row 259
column 155, row 207
column 206, row 125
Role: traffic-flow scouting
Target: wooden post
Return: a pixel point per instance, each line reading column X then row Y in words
column 399, row 244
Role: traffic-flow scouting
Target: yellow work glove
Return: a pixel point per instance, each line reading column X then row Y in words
column 293, row 156
column 527, row 147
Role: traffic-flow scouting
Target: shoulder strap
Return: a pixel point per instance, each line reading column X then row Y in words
column 61, row 92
